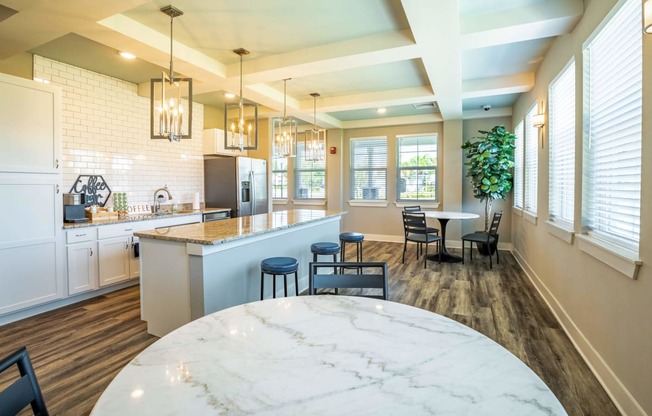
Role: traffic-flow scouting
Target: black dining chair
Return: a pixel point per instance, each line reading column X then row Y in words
column 490, row 239
column 365, row 280
column 416, row 231
column 25, row 390
column 417, row 208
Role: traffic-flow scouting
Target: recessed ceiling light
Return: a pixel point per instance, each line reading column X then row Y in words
column 127, row 55
column 229, row 95
column 381, row 110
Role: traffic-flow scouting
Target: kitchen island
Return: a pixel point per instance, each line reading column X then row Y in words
column 193, row 270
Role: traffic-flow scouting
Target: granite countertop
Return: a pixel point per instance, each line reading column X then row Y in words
column 219, row 232
column 143, row 217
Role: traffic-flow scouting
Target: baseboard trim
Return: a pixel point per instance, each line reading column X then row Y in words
column 622, row 398
column 33, row 311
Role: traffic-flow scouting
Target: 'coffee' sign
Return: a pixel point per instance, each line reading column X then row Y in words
column 94, row 186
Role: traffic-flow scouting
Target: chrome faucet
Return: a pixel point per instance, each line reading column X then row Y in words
column 156, row 207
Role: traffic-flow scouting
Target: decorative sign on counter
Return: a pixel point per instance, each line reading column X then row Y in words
column 95, row 187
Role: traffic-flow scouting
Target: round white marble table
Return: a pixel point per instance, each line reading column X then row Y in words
column 326, row 355
column 444, row 217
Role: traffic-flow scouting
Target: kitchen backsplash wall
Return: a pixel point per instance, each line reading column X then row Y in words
column 106, row 132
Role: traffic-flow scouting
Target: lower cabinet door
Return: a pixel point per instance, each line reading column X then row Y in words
column 82, row 267
column 114, row 260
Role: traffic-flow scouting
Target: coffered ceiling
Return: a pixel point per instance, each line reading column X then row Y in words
column 358, row 54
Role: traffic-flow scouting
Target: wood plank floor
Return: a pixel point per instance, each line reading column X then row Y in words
column 77, row 350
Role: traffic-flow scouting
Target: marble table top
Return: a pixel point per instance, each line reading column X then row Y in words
column 326, row 355
column 219, row 232
column 450, row 215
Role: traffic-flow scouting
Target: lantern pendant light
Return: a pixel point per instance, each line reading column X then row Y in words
column 167, row 113
column 315, row 139
column 285, row 131
column 241, row 119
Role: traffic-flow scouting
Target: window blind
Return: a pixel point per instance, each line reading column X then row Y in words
column 562, row 148
column 309, row 176
column 612, row 130
column 416, row 168
column 368, row 178
column 531, row 162
column 518, row 166
column 279, row 178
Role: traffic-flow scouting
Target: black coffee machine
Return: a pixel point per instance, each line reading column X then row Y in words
column 74, row 208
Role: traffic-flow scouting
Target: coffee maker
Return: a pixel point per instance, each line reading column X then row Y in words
column 74, row 208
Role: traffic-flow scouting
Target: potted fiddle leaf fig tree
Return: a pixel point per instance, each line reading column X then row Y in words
column 490, row 163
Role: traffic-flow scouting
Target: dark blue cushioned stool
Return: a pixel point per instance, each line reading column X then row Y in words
column 277, row 266
column 325, row 249
column 351, row 237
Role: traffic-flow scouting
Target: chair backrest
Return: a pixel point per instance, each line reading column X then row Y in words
column 23, row 391
column 365, row 280
column 414, row 223
column 412, row 208
column 495, row 222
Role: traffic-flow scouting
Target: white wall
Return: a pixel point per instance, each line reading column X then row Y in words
column 106, row 132
column 607, row 314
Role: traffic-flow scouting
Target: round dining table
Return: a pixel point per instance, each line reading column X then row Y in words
column 444, row 217
column 326, row 355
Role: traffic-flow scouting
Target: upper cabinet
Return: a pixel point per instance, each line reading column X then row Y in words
column 30, row 116
column 213, row 140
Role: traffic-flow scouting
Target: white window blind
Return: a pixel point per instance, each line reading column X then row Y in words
column 416, row 168
column 368, row 169
column 612, row 131
column 518, row 166
column 562, row 148
column 279, row 178
column 309, row 177
column 531, row 162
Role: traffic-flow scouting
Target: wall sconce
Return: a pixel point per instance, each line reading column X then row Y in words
column 168, row 119
column 538, row 121
column 647, row 17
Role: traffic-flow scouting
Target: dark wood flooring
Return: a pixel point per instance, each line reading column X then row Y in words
column 77, row 350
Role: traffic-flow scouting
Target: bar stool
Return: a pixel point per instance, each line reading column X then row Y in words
column 351, row 237
column 279, row 266
column 324, row 249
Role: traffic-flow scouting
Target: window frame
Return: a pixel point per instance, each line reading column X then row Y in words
column 296, row 173
column 519, row 168
column 531, row 163
column 353, row 170
column 284, row 173
column 434, row 167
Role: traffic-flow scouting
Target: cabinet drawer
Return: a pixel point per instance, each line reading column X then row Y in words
column 80, row 235
column 120, row 230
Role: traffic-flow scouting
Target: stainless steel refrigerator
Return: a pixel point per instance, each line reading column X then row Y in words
column 239, row 183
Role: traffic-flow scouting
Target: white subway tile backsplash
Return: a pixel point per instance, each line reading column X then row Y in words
column 106, row 132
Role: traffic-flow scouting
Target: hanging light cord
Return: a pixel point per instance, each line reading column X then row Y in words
column 171, row 46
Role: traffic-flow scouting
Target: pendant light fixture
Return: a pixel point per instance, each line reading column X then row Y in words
column 169, row 118
column 241, row 119
column 285, row 131
column 315, row 139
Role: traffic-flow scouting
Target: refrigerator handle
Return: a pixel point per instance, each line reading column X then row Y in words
column 253, row 192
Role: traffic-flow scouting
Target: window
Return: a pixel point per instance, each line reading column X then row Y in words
column 368, row 169
column 531, row 161
column 611, row 188
column 518, row 166
column 416, row 170
column 279, row 178
column 309, row 177
column 562, row 147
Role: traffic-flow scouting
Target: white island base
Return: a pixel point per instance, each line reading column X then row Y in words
column 191, row 271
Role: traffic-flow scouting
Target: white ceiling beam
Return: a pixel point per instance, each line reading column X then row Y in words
column 441, row 55
column 509, row 84
column 494, row 112
column 354, row 53
column 392, row 121
column 534, row 21
column 386, row 98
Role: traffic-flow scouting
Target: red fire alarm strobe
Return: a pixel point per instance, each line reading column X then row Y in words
column 333, row 150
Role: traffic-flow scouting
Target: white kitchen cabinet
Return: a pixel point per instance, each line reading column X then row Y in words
column 82, row 260
column 30, row 116
column 114, row 260
column 31, row 253
column 213, row 144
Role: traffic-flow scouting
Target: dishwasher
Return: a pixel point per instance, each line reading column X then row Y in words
column 215, row 216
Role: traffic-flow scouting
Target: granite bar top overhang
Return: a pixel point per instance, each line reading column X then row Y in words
column 219, row 232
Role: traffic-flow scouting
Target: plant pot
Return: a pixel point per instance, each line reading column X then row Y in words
column 488, row 249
